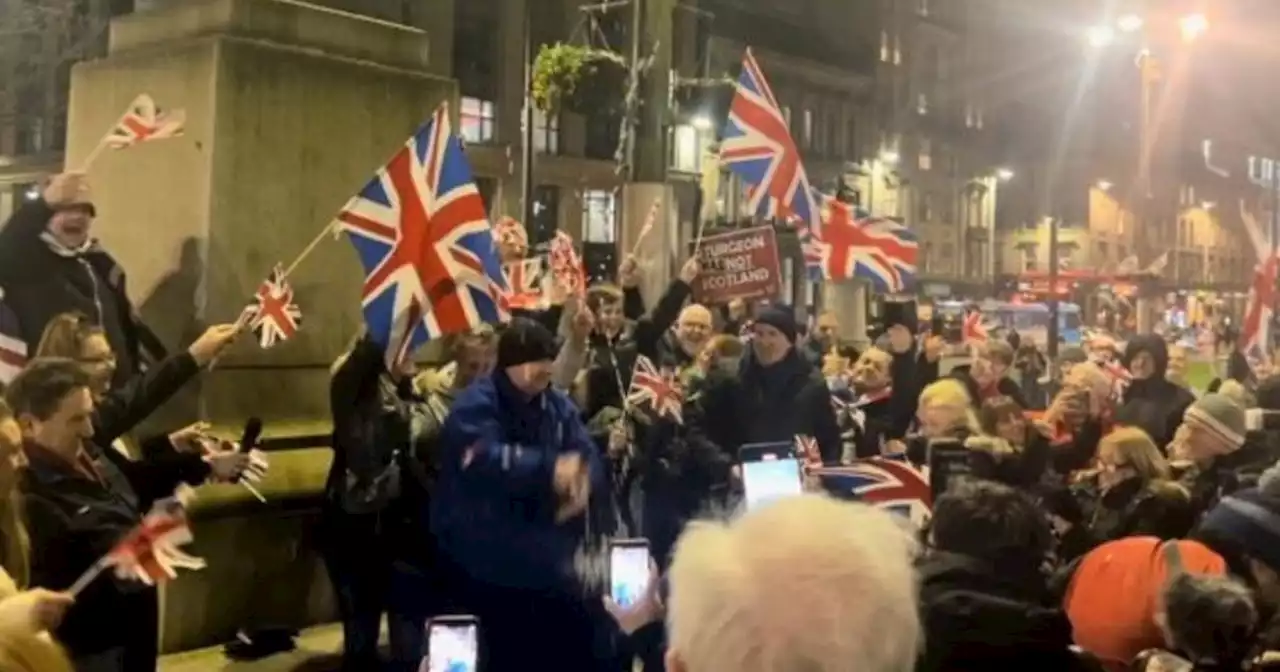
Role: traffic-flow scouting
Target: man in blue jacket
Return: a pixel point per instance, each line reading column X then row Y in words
column 517, row 472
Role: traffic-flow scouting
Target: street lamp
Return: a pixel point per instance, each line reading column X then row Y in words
column 889, row 157
column 1004, row 174
column 703, row 123
column 1130, row 23
column 1101, row 36
column 1104, row 185
column 1193, row 26
column 1207, row 205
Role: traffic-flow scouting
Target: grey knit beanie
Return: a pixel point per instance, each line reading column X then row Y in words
column 1221, row 416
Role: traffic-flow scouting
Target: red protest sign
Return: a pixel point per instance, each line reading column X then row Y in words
column 738, row 265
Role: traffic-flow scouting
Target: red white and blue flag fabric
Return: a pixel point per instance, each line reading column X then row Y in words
column 854, row 243
column 973, row 330
column 758, row 148
column 812, row 250
column 424, row 240
column 145, row 121
column 13, row 349
column 273, row 315
column 525, row 280
column 660, row 390
column 150, row 553
column 890, row 482
column 566, row 264
column 1255, row 331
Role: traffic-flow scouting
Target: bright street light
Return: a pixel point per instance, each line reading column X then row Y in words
column 1193, row 26
column 1104, row 185
column 1004, row 174
column 1207, row 205
column 888, row 157
column 1101, row 36
column 703, row 123
column 1130, row 23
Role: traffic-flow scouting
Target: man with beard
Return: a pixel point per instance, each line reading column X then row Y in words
column 1151, row 401
column 776, row 396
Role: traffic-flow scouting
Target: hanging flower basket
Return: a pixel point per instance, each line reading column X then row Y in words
column 580, row 79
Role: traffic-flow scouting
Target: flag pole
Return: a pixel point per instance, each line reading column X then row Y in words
column 95, row 570
column 311, row 247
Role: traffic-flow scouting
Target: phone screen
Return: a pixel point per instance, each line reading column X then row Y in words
column 452, row 646
column 628, row 572
column 768, row 480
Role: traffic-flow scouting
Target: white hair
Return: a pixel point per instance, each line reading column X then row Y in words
column 805, row 583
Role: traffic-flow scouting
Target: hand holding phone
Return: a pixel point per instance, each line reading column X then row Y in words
column 453, row 644
column 629, row 571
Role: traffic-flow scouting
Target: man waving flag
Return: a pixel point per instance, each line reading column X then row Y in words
column 424, row 240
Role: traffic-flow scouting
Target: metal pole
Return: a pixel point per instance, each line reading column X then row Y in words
column 1052, row 345
column 526, row 145
column 990, row 203
column 632, row 117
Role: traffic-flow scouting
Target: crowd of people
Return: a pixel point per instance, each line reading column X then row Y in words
column 1109, row 519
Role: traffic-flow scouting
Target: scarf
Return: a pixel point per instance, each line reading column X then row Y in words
column 88, row 247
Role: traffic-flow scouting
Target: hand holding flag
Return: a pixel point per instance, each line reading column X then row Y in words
column 149, row 553
column 273, row 315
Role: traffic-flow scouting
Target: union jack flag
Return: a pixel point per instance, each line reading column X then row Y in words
column 13, row 349
column 150, row 553
column 1120, row 376
column 659, row 389
column 808, row 451
column 888, row 481
column 524, row 278
column 1255, row 332
column 566, row 265
column 145, row 121
column 758, row 148
column 424, row 240
column 812, row 253
column 972, row 329
column 273, row 315
column 854, row 243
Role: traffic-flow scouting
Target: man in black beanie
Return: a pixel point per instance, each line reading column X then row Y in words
column 517, row 470
column 776, row 396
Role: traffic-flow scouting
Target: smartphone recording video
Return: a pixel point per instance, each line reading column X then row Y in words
column 628, row 570
column 453, row 644
column 770, row 479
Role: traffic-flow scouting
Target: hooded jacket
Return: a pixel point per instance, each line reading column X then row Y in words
column 494, row 512
column 978, row 618
column 1154, row 405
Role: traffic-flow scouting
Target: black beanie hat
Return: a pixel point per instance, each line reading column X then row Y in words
column 779, row 318
column 525, row 341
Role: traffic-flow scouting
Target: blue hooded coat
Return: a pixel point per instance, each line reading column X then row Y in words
column 495, row 505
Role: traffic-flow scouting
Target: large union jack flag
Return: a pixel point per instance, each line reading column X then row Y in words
column 1255, row 331
column 889, row 482
column 758, row 148
column 273, row 315
column 659, row 389
column 420, row 229
column 855, row 243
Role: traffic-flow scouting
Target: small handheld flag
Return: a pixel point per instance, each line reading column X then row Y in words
column 660, row 389
column 145, row 121
column 273, row 315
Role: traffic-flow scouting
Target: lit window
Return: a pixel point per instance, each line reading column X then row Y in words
column 897, row 50
column 885, row 47
column 926, row 154
column 546, row 132
column 599, row 209
column 477, row 120
column 922, row 104
column 970, row 116
column 978, row 119
column 686, row 150
column 807, row 132
column 786, row 115
column 923, row 7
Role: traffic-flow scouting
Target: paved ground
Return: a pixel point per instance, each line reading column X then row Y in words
column 317, row 652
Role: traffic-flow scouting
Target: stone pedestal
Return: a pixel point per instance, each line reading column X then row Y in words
column 663, row 250
column 290, row 108
column 848, row 301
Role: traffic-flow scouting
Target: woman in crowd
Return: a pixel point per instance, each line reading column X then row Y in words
column 182, row 456
column 1131, row 493
column 1024, row 463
